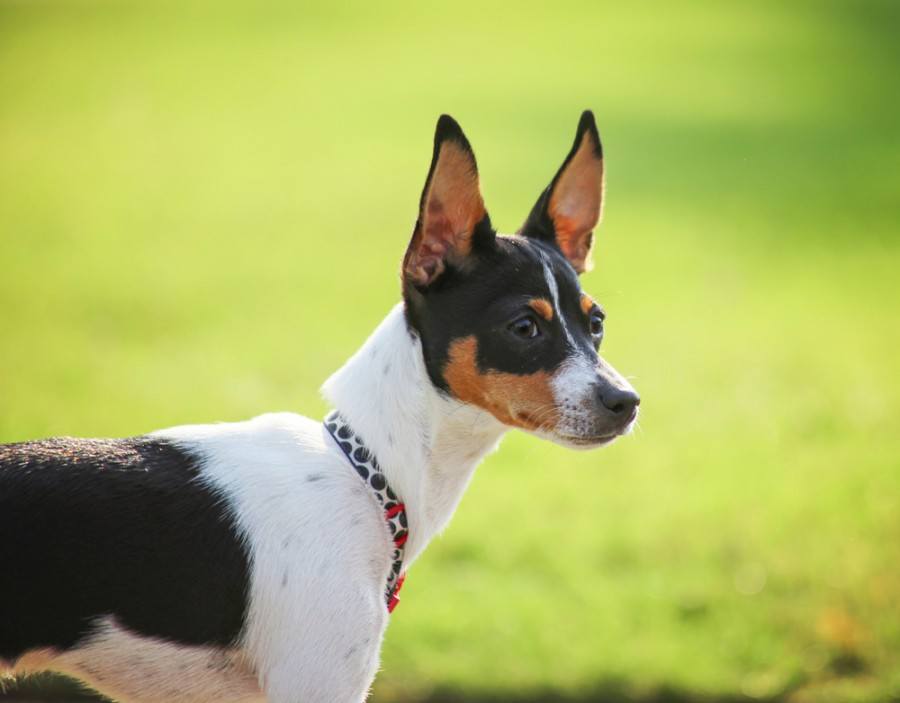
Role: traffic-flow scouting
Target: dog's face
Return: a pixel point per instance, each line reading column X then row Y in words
column 503, row 321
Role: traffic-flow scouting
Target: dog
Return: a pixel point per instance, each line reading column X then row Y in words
column 260, row 560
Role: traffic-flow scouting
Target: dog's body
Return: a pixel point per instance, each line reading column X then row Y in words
column 237, row 562
column 276, row 486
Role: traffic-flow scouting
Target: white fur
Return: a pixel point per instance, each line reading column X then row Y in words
column 554, row 295
column 427, row 444
column 319, row 550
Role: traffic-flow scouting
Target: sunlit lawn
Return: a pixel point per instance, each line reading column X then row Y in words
column 202, row 212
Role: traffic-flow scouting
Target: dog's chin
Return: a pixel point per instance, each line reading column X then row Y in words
column 586, row 441
column 583, row 443
column 580, row 442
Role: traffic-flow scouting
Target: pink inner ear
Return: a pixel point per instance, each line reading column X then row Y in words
column 453, row 206
column 575, row 204
column 437, row 237
column 438, row 228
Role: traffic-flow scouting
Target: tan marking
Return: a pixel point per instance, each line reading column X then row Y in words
column 525, row 401
column 542, row 307
column 575, row 205
column 126, row 666
column 451, row 207
column 587, row 303
column 31, row 662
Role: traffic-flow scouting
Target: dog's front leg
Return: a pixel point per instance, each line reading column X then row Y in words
column 324, row 652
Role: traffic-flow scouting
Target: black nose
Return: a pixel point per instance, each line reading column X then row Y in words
column 619, row 401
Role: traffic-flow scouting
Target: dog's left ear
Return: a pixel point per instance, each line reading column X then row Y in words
column 569, row 209
column 452, row 217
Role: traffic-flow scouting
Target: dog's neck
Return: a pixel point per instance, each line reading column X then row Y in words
column 427, row 444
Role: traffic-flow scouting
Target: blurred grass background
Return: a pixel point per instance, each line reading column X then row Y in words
column 203, row 206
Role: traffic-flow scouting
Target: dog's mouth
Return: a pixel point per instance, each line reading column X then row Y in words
column 592, row 440
column 585, row 442
column 572, row 441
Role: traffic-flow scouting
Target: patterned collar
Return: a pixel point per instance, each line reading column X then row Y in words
column 370, row 472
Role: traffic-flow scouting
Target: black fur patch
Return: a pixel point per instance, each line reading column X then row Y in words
column 121, row 528
column 487, row 297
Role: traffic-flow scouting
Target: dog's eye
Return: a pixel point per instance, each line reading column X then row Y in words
column 525, row 327
column 597, row 318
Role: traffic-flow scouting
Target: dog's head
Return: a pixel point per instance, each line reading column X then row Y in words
column 503, row 320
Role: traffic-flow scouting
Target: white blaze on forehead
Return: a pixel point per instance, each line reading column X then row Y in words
column 573, row 381
column 554, row 296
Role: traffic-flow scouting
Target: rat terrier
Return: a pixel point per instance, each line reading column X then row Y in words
column 259, row 560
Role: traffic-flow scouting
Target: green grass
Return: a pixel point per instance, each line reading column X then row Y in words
column 202, row 211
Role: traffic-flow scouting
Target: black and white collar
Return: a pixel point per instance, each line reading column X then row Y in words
column 366, row 466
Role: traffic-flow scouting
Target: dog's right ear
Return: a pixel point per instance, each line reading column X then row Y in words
column 452, row 217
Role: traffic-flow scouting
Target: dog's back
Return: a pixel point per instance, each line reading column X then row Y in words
column 200, row 549
column 120, row 528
